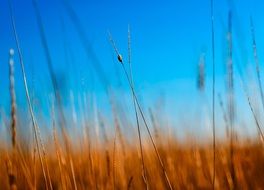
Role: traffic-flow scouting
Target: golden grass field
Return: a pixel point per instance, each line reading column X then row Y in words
column 72, row 152
column 188, row 166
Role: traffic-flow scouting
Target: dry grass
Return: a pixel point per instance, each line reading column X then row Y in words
column 117, row 160
column 188, row 167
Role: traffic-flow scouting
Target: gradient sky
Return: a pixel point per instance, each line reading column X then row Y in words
column 167, row 39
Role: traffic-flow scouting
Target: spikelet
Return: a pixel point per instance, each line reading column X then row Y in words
column 13, row 97
column 230, row 74
column 231, row 102
column 201, row 73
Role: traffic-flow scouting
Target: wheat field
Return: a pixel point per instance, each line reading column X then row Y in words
column 130, row 146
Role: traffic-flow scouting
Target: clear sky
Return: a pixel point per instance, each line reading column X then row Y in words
column 167, row 36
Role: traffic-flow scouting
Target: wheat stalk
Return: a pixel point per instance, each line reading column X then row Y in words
column 144, row 171
column 254, row 47
column 55, row 87
column 27, row 91
column 97, row 66
column 213, row 89
column 120, row 136
column 57, row 149
column 230, row 91
column 120, row 59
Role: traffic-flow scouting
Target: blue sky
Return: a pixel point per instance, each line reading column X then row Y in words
column 167, row 39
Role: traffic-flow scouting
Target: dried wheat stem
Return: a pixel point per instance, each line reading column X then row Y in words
column 254, row 46
column 55, row 87
column 149, row 133
column 230, row 91
column 144, row 171
column 213, row 89
column 58, row 154
column 119, row 57
column 26, row 90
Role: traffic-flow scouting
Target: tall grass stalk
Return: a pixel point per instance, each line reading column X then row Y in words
column 245, row 90
column 55, row 88
column 37, row 138
column 134, row 103
column 117, row 133
column 148, row 130
column 144, row 171
column 97, row 66
column 54, row 81
column 230, row 96
column 120, row 59
column 254, row 114
column 213, row 89
column 256, row 59
column 58, row 154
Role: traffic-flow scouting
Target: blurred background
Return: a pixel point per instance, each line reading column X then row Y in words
column 168, row 41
